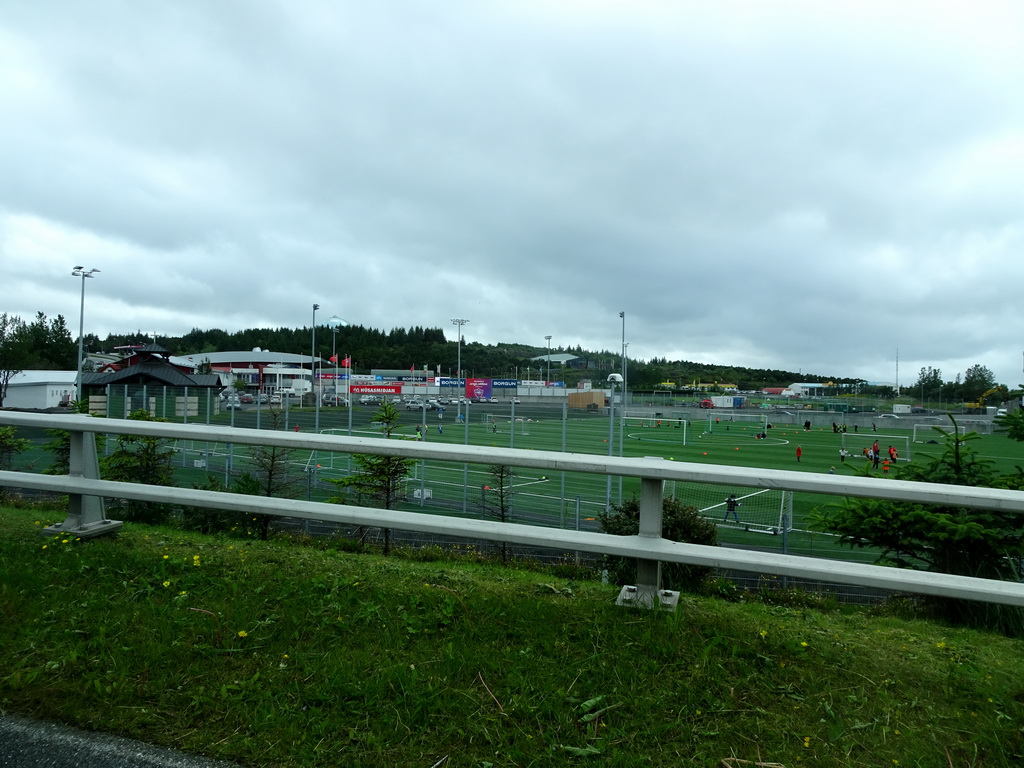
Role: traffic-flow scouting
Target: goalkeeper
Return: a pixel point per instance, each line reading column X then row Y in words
column 731, row 505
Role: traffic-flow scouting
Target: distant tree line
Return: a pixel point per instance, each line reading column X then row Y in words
column 48, row 345
column 976, row 383
column 40, row 345
column 418, row 346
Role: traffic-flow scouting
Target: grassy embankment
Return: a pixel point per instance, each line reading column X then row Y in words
column 302, row 654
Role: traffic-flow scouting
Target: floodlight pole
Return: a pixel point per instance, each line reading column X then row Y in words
column 549, row 361
column 458, row 322
column 334, row 323
column 312, row 368
column 83, row 273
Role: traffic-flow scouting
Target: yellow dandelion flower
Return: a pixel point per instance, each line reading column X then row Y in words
column 167, row 583
column 763, row 633
column 166, row 556
column 45, row 546
column 242, row 633
column 803, row 644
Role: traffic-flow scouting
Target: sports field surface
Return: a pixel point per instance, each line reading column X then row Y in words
column 568, row 500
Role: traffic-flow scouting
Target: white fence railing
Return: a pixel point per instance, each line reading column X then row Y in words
column 86, row 491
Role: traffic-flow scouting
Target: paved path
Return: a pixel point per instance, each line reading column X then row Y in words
column 31, row 744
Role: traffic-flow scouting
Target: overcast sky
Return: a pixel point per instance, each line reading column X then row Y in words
column 824, row 187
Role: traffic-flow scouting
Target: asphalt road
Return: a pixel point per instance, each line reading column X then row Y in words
column 31, row 744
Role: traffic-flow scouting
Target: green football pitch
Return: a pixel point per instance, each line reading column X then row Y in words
column 572, row 500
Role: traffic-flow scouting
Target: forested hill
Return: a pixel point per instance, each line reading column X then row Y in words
column 417, row 347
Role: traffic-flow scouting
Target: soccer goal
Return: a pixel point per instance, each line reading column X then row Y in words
column 656, row 430
column 500, row 423
column 857, row 445
column 936, row 433
column 754, row 423
column 761, row 510
column 979, row 426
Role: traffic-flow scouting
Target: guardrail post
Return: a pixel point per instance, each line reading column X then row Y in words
column 647, row 593
column 86, row 514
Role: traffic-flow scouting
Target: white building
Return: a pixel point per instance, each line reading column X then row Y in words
column 40, row 389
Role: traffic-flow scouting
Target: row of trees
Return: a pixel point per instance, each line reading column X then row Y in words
column 976, row 381
column 42, row 344
column 46, row 344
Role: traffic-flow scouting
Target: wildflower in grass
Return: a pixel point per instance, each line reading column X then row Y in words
column 63, row 541
column 242, row 633
column 940, row 645
column 195, row 560
column 807, row 742
column 183, row 592
column 804, row 644
column 763, row 633
column 167, row 583
column 45, row 546
column 166, row 556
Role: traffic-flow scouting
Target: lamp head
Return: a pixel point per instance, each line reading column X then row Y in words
column 615, row 378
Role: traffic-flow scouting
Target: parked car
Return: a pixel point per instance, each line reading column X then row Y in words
column 416, row 405
column 232, row 404
column 262, row 397
column 246, row 398
column 275, row 399
column 337, row 400
column 369, row 400
column 516, row 401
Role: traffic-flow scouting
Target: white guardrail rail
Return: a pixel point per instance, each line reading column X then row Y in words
column 86, row 491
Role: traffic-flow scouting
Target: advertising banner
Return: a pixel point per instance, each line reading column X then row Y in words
column 478, row 387
column 376, row 389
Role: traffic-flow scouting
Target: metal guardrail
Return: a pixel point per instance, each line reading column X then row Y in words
column 86, row 491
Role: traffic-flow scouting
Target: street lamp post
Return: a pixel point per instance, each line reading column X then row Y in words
column 334, row 323
column 549, row 359
column 312, row 369
column 83, row 273
column 458, row 322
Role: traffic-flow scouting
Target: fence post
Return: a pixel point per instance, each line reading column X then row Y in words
column 86, row 515
column 647, row 593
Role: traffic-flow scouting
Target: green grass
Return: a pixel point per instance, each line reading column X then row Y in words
column 301, row 654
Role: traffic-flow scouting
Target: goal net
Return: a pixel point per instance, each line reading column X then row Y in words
column 501, row 423
column 936, row 433
column 761, row 510
column 754, row 423
column 656, row 430
column 976, row 425
column 857, row 445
